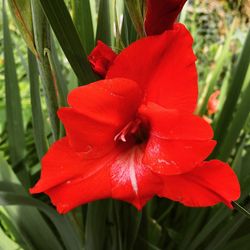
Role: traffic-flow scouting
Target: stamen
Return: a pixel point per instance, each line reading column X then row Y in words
column 130, row 128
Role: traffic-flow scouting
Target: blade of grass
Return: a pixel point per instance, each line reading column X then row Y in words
column 37, row 114
column 13, row 102
column 28, row 221
column 21, row 11
column 233, row 94
column 96, row 225
column 83, row 21
column 66, row 34
column 236, row 126
column 104, row 24
column 210, row 227
column 42, row 41
column 134, row 8
column 241, row 243
column 226, row 233
column 213, row 77
column 61, row 223
column 7, row 243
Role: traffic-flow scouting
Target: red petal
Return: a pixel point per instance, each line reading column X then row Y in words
column 123, row 178
column 174, row 125
column 101, row 58
column 86, row 135
column 177, row 142
column 208, row 184
column 162, row 65
column 161, row 15
column 59, row 165
column 100, row 110
column 70, row 180
column 213, row 102
column 131, row 180
column 171, row 157
column 81, row 190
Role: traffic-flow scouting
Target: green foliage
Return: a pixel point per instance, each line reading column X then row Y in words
column 36, row 83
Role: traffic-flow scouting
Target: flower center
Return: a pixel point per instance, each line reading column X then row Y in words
column 137, row 130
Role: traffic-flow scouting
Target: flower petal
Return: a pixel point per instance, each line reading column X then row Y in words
column 112, row 101
column 101, row 58
column 163, row 66
column 213, row 102
column 86, row 135
column 100, row 110
column 81, row 190
column 131, row 180
column 208, row 184
column 177, row 142
column 161, row 14
column 172, row 157
column 71, row 181
column 174, row 125
column 60, row 164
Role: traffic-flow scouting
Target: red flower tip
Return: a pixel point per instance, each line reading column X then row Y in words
column 213, row 102
column 101, row 58
column 161, row 15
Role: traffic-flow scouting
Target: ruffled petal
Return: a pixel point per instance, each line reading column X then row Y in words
column 163, row 66
column 177, row 142
column 208, row 184
column 101, row 58
column 161, row 15
column 98, row 112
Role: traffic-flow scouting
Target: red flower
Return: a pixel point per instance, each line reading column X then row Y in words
column 213, row 102
column 161, row 15
column 101, row 58
column 133, row 135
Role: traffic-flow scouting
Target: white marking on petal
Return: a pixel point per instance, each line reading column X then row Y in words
column 132, row 173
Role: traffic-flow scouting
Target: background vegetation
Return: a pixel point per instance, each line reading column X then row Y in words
column 34, row 82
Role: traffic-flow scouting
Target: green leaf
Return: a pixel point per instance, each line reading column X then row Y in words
column 37, row 114
column 7, row 243
column 66, row 34
column 221, row 127
column 241, row 243
column 135, row 10
column 128, row 33
column 241, row 209
column 237, row 124
column 42, row 41
column 221, row 58
column 210, row 226
column 67, row 233
column 226, row 233
column 96, row 224
column 28, row 221
column 104, row 24
column 83, row 22
column 21, row 11
column 13, row 102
